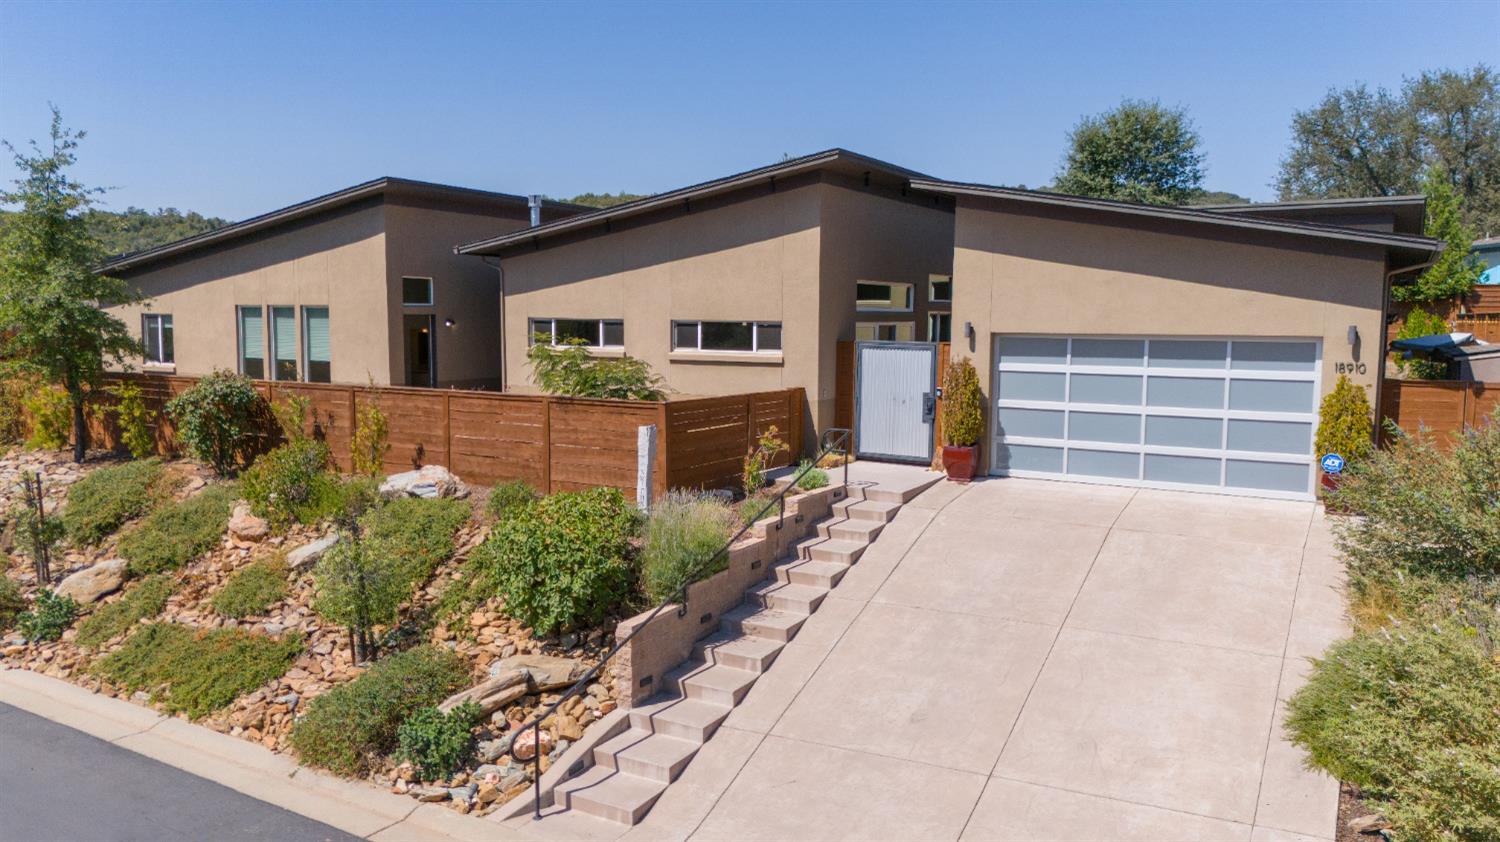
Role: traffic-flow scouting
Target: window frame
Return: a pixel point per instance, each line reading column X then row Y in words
column 755, row 326
column 936, row 279
column 306, row 346
column 160, row 339
column 239, row 335
column 911, row 297
column 553, row 320
column 431, row 291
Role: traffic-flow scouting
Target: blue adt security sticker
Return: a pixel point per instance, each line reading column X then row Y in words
column 1333, row 463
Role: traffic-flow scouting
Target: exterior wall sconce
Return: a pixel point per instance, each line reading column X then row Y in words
column 1353, row 334
column 968, row 330
column 448, row 322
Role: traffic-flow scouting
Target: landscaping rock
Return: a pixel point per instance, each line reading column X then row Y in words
column 492, row 695
column 428, row 794
column 463, row 793
column 91, row 583
column 568, row 728
column 491, row 750
column 546, row 672
column 1372, row 823
column 524, row 745
column 309, row 553
column 427, row 481
column 245, row 526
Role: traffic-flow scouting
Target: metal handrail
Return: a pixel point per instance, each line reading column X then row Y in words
column 833, row 440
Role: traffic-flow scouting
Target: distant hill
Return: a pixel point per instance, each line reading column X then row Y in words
column 1218, row 197
column 137, row 229
column 604, row 200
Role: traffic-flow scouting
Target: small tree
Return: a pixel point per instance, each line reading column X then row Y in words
column 37, row 531
column 963, row 405
column 1139, row 152
column 52, row 302
column 370, row 442
column 1419, row 322
column 569, row 369
column 1457, row 268
column 358, row 585
column 134, row 419
column 217, row 419
column 1344, row 422
column 291, row 417
column 765, row 450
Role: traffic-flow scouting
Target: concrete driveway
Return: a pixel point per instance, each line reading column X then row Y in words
column 1025, row 659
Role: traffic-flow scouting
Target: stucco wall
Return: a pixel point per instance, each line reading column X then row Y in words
column 1019, row 272
column 336, row 261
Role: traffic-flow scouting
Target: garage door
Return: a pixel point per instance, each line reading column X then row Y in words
column 1206, row 414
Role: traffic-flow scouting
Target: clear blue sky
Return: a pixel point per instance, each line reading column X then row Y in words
column 235, row 109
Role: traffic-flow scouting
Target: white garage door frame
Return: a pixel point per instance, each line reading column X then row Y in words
column 1257, row 369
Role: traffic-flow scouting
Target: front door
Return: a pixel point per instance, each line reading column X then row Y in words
column 895, row 399
column 419, row 356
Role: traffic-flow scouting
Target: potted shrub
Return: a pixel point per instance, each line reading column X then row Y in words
column 963, row 420
column 1343, row 427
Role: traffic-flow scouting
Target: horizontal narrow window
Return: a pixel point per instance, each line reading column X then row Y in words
column 748, row 337
column 317, row 353
column 879, row 295
column 594, row 333
column 940, row 288
column 416, row 292
column 156, row 336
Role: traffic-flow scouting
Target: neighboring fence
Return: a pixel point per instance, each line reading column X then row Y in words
column 556, row 444
column 1444, row 408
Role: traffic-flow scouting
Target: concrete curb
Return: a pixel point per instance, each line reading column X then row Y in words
column 355, row 808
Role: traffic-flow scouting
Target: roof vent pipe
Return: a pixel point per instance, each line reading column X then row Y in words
column 534, row 202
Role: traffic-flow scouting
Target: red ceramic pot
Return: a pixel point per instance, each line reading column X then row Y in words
column 959, row 462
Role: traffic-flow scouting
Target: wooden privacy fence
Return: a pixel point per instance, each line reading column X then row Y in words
column 1444, row 408
column 555, row 444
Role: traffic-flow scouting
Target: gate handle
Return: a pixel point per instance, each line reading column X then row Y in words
column 929, row 406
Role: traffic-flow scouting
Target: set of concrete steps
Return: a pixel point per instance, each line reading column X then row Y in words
column 632, row 770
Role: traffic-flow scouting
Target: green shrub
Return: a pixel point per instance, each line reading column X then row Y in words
column 101, row 502
column 11, row 601
column 437, row 743
column 197, row 672
column 133, row 419
column 141, row 601
column 683, row 538
column 963, row 405
column 179, row 532
column 352, row 724
column 507, row 498
column 370, row 442
column 759, row 459
column 37, row 533
column 1411, row 717
column 415, row 533
column 360, row 587
column 1344, row 423
column 813, row 479
column 292, row 484
column 49, row 617
column 253, row 589
column 51, row 417
column 291, row 417
column 562, row 562
column 569, row 369
column 1419, row 322
column 14, row 389
column 218, row 419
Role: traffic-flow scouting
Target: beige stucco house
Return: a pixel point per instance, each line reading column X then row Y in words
column 740, row 284
column 356, row 286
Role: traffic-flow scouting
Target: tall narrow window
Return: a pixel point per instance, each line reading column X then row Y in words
column 284, row 342
column 939, row 327
column 253, row 342
column 316, row 354
column 156, row 336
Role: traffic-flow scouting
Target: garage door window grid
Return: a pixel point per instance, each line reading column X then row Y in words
column 1189, row 413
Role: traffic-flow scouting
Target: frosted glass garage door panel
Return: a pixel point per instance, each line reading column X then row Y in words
column 1271, row 395
column 1033, row 423
column 1103, row 463
column 1267, row 476
column 1270, row 436
column 1028, row 457
column 1173, row 431
column 1121, row 389
column 1115, row 352
column 1191, row 470
column 1185, row 392
column 1188, row 353
column 1104, row 426
column 1032, row 386
column 1031, row 350
column 1274, row 356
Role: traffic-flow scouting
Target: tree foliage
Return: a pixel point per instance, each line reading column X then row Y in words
column 1457, row 268
column 1140, row 152
column 217, row 419
column 604, row 200
column 51, row 300
column 1358, row 142
column 1419, row 322
column 568, row 369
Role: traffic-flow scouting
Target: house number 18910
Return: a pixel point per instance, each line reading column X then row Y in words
column 1349, row 368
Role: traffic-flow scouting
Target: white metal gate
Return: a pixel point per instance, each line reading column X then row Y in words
column 895, row 399
column 1199, row 414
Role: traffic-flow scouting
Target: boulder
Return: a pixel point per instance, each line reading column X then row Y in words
column 309, row 553
column 427, row 481
column 245, row 526
column 91, row 583
column 1371, row 823
column 495, row 693
column 524, row 747
column 546, row 672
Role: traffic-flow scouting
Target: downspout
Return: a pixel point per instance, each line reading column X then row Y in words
column 501, row 270
column 1385, row 312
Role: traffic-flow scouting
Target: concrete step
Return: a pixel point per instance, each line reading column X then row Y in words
column 755, row 621
column 646, row 755
column 819, row 574
column 898, row 488
column 797, row 599
column 610, row 795
column 858, row 531
column 713, row 683
column 744, row 652
column 836, row 549
column 680, row 717
column 876, row 510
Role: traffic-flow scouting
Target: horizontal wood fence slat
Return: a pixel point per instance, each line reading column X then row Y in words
column 555, row 444
column 1443, row 408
